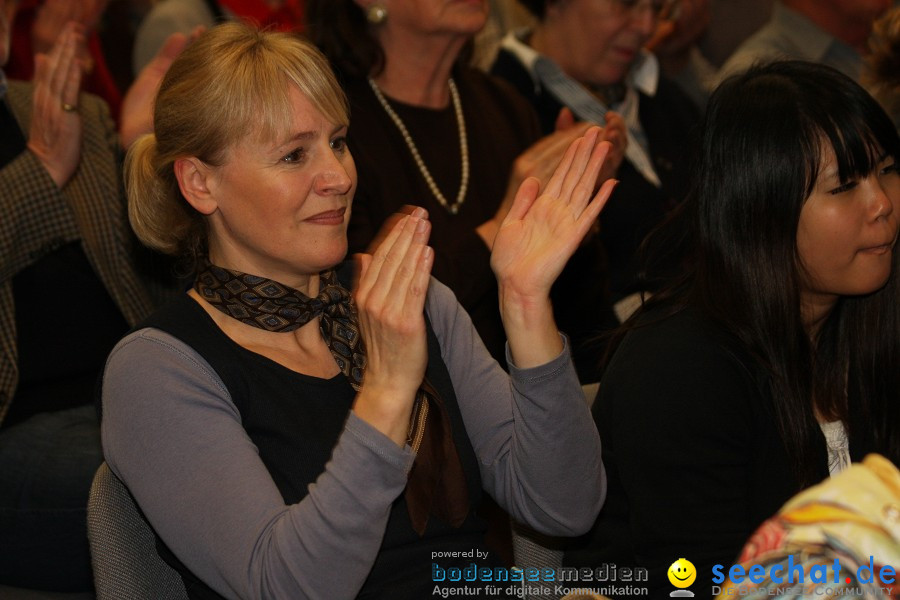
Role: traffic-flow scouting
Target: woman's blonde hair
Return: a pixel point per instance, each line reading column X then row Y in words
column 230, row 83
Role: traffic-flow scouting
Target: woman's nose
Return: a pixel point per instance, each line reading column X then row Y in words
column 886, row 193
column 334, row 177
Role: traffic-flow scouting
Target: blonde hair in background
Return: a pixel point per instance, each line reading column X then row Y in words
column 882, row 78
column 230, row 84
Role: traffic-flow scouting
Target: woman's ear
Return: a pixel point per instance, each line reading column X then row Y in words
column 194, row 177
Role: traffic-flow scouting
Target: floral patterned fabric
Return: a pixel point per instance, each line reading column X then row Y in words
column 842, row 535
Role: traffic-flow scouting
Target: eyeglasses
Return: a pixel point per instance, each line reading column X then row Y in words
column 656, row 7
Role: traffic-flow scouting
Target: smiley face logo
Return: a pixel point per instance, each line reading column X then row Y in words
column 682, row 573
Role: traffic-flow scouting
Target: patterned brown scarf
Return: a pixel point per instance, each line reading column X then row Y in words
column 436, row 482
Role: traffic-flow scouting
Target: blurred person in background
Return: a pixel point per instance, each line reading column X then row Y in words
column 831, row 32
column 882, row 74
column 186, row 16
column 72, row 281
column 588, row 56
column 428, row 129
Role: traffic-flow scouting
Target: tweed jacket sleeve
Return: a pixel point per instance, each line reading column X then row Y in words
column 36, row 217
column 39, row 217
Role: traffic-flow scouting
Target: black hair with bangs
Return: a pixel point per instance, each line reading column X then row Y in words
column 760, row 152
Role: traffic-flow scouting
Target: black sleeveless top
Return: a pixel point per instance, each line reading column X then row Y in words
column 295, row 421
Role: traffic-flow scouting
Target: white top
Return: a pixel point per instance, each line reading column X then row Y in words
column 838, row 446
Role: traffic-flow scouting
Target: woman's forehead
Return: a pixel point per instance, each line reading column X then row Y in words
column 857, row 150
column 294, row 115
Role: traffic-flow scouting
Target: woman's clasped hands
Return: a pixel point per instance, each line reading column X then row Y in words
column 390, row 296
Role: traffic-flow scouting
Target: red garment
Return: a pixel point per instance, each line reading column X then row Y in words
column 289, row 17
column 21, row 59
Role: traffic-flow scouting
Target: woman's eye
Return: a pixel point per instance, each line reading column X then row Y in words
column 293, row 156
column 844, row 187
column 888, row 169
column 339, row 144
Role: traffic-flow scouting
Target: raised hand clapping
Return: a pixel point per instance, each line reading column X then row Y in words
column 541, row 232
column 55, row 134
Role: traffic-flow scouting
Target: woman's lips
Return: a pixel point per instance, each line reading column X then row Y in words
column 328, row 217
column 878, row 250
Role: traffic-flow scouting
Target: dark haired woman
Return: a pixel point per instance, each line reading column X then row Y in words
column 772, row 359
column 429, row 130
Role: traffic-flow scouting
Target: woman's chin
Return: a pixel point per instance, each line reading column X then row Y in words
column 333, row 259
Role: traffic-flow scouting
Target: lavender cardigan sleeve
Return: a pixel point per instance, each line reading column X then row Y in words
column 535, row 438
column 172, row 433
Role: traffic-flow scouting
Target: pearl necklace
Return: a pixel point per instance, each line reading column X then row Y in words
column 463, row 146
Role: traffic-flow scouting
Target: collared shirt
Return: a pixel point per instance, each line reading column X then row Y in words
column 790, row 35
column 643, row 77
